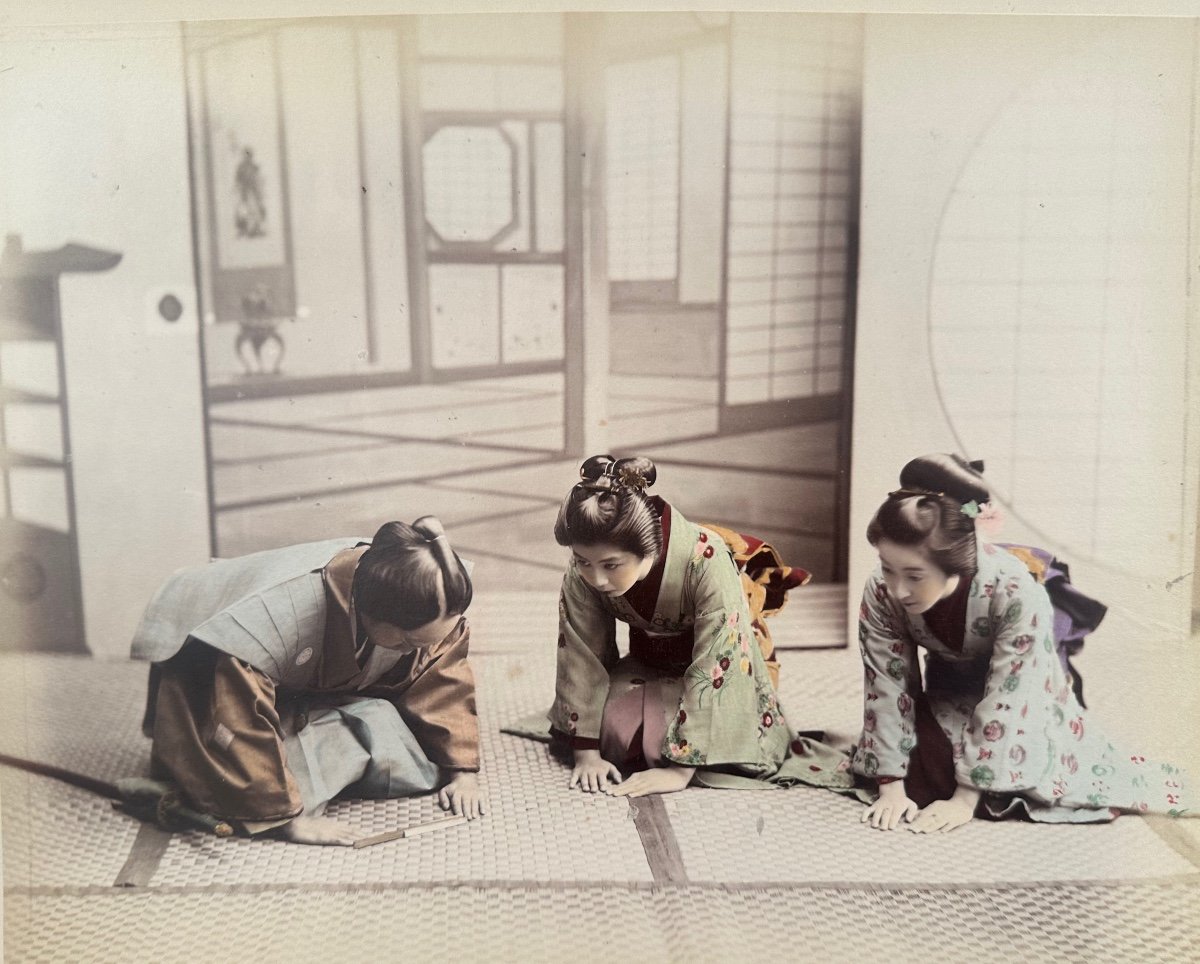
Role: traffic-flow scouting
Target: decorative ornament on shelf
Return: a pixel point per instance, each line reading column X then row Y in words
column 258, row 345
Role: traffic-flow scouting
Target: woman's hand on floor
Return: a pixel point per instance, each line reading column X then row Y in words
column 461, row 796
column 666, row 779
column 942, row 816
column 592, row 772
column 322, row 831
column 891, row 808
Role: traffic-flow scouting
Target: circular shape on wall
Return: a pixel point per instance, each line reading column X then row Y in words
column 170, row 307
column 1045, row 289
column 23, row 577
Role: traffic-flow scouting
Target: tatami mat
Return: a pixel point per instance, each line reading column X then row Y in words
column 806, row 836
column 554, row 874
column 74, row 712
column 58, row 836
column 1146, row 924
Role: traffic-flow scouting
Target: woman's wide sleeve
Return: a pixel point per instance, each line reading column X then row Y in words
column 587, row 650
column 729, row 713
column 1025, row 689
column 889, row 657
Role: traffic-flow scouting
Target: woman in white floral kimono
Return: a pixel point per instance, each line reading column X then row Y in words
column 696, row 689
column 996, row 726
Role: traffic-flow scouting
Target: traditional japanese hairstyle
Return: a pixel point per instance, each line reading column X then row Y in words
column 609, row 505
column 935, row 508
column 410, row 576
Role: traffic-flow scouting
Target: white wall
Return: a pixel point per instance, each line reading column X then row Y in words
column 93, row 146
column 336, row 173
column 1023, row 287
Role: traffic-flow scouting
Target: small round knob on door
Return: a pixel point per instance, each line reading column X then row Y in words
column 170, row 308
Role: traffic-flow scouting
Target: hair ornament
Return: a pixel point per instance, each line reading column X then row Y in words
column 908, row 493
column 990, row 518
column 631, row 478
column 598, row 472
column 604, row 473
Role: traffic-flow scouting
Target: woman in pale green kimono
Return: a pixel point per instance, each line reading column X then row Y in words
column 995, row 727
column 696, row 689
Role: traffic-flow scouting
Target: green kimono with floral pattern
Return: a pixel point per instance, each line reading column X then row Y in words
column 1004, row 702
column 728, row 714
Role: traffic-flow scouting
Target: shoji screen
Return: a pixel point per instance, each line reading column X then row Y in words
column 794, row 89
column 1024, row 280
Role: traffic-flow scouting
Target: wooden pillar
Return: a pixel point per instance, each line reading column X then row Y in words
column 412, row 141
column 1191, row 497
column 585, row 402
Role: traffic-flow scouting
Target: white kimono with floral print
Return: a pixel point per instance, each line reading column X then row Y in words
column 728, row 712
column 1020, row 732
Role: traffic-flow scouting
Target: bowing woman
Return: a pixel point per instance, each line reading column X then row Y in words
column 697, row 688
column 994, row 725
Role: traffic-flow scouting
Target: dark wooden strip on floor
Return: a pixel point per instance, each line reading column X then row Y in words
column 144, row 856
column 658, row 840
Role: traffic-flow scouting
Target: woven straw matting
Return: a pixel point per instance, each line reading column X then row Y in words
column 1129, row 923
column 552, row 874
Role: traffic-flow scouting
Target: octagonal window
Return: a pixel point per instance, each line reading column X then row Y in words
column 470, row 184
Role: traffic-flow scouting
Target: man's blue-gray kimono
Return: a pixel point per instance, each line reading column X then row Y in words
column 267, row 699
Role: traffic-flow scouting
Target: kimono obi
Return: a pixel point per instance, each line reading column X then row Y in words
column 956, row 675
column 1075, row 615
column 671, row 654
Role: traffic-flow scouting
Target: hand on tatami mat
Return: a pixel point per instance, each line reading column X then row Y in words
column 942, row 816
column 892, row 807
column 592, row 772
column 659, row 780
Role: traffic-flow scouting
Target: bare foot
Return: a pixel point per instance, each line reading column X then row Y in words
column 321, row 831
column 461, row 796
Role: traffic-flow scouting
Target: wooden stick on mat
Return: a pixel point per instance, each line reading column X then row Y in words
column 409, row 831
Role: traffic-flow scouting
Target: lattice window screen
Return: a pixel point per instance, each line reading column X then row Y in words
column 493, row 183
column 642, row 131
column 795, row 93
